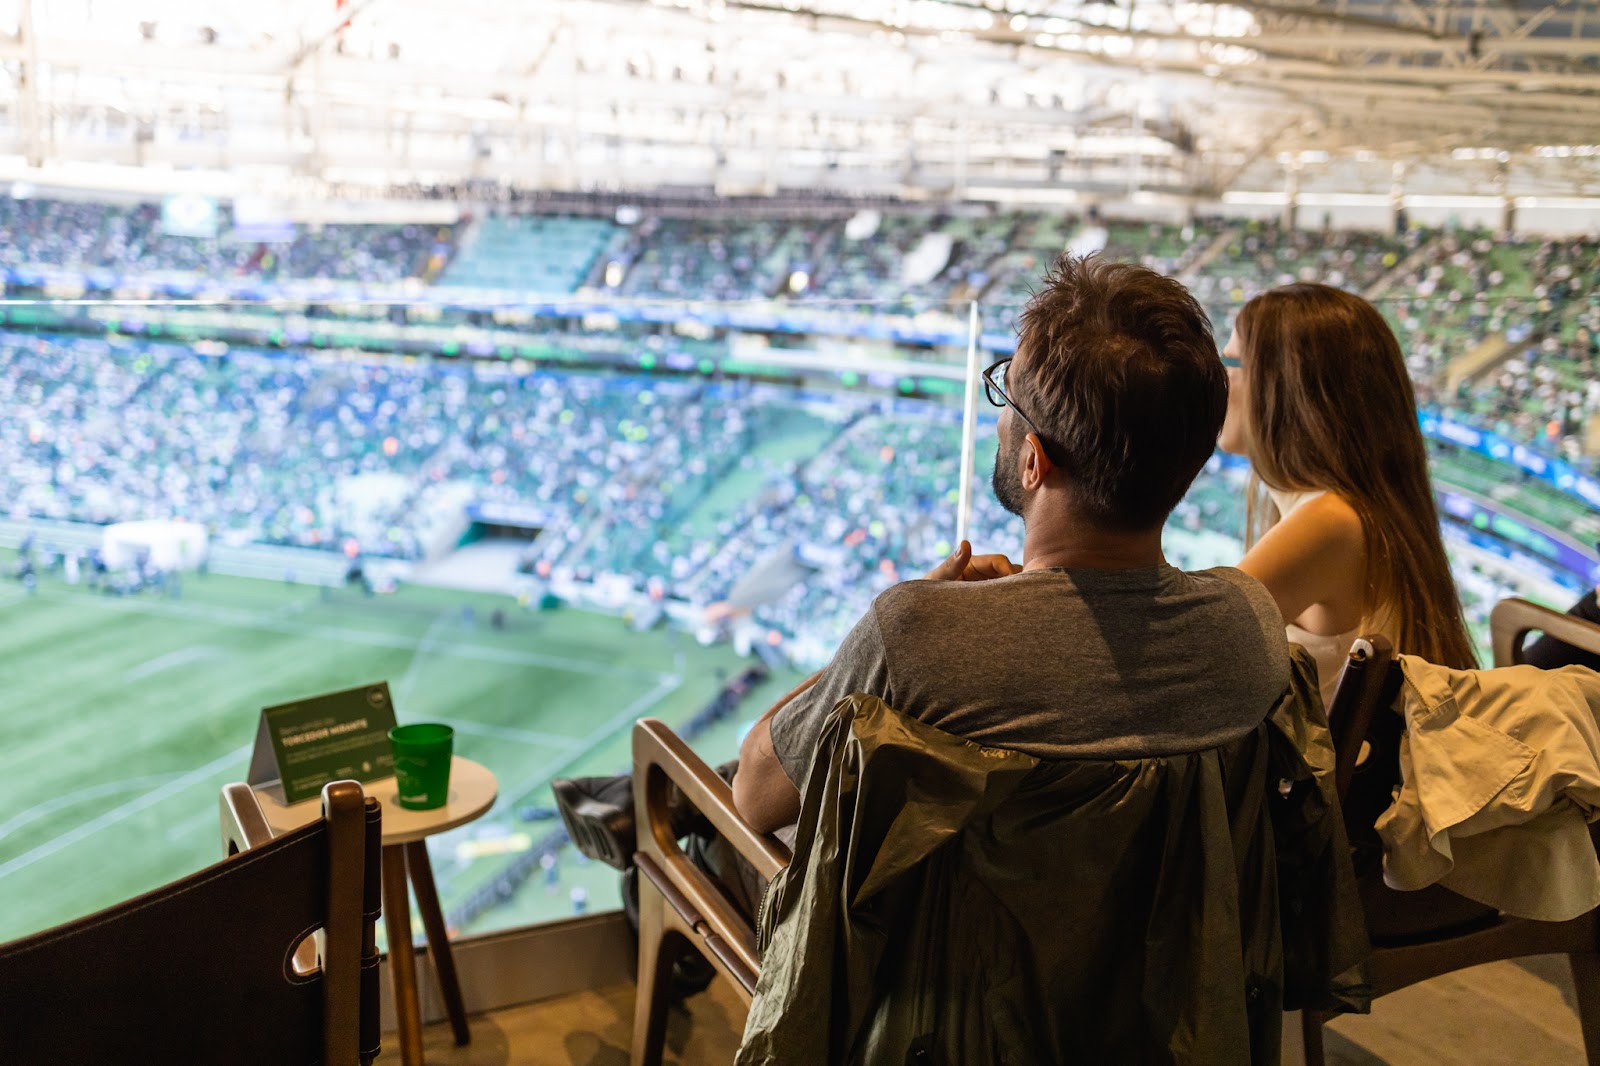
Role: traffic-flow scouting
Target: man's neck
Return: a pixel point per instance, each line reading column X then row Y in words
column 1049, row 546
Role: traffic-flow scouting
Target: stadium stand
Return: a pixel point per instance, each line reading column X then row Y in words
column 536, row 255
column 78, row 235
column 368, row 253
column 1037, row 239
column 1499, row 333
column 708, row 480
column 60, row 234
column 715, row 259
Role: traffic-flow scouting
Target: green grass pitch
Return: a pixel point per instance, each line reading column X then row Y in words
column 121, row 718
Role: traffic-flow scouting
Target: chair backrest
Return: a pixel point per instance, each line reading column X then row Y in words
column 1513, row 619
column 201, row 971
column 969, row 869
column 1368, row 684
column 1359, row 722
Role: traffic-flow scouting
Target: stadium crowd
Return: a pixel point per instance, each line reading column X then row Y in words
column 1523, row 304
column 680, row 486
column 130, row 240
column 332, row 449
column 637, row 476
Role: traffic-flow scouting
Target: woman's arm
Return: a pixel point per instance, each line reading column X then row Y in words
column 1313, row 557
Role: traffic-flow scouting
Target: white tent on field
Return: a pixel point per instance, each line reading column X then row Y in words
column 165, row 545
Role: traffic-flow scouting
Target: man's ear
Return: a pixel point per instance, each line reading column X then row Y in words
column 1036, row 464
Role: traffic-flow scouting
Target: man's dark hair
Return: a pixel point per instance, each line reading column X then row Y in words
column 1122, row 377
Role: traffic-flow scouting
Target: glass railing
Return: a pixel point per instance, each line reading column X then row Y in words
column 539, row 520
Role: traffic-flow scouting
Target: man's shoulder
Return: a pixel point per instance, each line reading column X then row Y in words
column 921, row 598
column 1248, row 621
column 1254, row 593
column 1216, row 596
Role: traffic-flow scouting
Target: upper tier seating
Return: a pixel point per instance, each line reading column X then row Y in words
column 536, row 255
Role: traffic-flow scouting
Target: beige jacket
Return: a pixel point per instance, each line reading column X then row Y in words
column 1500, row 776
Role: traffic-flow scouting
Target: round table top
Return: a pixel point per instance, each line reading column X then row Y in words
column 473, row 789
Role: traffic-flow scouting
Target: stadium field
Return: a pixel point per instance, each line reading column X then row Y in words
column 123, row 716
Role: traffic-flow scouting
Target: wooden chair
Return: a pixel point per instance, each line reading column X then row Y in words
column 1512, row 620
column 1420, row 935
column 680, row 905
column 202, row 970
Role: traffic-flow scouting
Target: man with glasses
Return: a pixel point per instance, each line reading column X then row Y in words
column 1092, row 645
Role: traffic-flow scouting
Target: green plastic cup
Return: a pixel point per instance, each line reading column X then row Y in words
column 422, row 764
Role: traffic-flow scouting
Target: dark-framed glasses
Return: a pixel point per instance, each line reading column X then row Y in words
column 994, row 387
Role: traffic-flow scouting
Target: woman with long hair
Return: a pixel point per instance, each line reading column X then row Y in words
column 1341, row 527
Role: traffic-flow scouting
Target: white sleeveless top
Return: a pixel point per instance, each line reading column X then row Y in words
column 1330, row 652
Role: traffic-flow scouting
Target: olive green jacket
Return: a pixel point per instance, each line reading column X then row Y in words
column 957, row 905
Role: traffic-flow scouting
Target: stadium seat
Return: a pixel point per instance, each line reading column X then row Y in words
column 1420, row 935
column 1177, row 895
column 200, row 971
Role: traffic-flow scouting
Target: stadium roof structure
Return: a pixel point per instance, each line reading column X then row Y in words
column 997, row 99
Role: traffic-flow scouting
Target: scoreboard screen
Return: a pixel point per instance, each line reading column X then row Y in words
column 189, row 216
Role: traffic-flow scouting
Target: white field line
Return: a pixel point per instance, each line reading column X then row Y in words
column 429, row 641
column 126, row 810
column 180, row 830
column 501, row 732
column 172, row 660
column 602, row 734
column 248, row 620
column 76, row 796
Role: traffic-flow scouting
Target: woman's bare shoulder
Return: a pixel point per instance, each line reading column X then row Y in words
column 1332, row 516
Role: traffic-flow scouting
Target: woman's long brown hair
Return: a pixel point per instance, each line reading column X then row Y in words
column 1330, row 406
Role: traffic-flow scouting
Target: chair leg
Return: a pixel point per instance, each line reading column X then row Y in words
column 1586, row 981
column 658, row 948
column 1311, row 1037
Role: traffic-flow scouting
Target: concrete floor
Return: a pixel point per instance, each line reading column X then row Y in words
column 1494, row 1015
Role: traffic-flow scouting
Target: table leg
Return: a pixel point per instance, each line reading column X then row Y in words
column 444, row 963
column 402, row 954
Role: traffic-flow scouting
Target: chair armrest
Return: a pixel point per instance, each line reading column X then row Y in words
column 243, row 825
column 1513, row 619
column 657, row 748
column 661, row 760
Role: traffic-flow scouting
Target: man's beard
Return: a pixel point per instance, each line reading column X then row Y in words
column 1007, row 482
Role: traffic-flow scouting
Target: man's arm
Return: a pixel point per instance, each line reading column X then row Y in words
column 762, row 793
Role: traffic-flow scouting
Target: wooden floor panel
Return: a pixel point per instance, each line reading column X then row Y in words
column 1495, row 1015
column 1501, row 1013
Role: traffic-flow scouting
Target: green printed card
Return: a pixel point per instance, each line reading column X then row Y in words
column 336, row 737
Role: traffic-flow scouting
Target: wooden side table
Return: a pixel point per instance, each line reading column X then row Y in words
column 405, row 854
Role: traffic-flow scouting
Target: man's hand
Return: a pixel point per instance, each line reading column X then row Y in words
column 989, row 567
column 962, row 565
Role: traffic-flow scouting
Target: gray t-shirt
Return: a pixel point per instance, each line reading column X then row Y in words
column 1061, row 663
